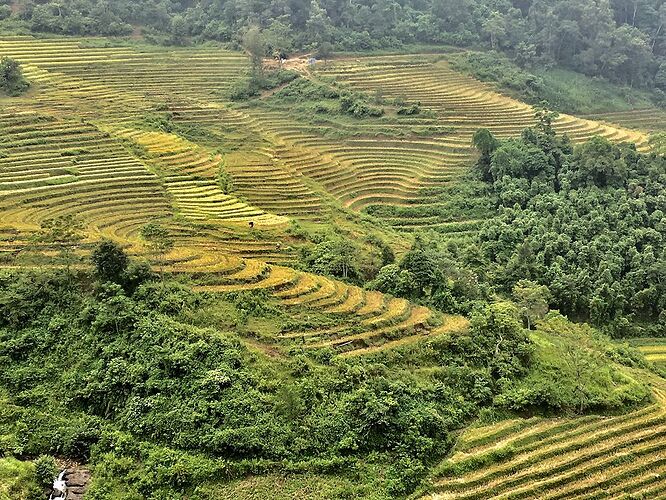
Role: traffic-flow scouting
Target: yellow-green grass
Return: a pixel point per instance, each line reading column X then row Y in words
column 190, row 178
column 654, row 350
column 650, row 119
column 17, row 479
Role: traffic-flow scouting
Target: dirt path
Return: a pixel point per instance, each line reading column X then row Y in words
column 267, row 93
column 297, row 63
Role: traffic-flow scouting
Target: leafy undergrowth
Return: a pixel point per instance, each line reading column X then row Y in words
column 165, row 392
column 577, row 369
column 162, row 390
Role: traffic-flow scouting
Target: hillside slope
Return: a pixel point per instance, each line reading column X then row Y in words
column 115, row 135
column 280, row 164
column 585, row 457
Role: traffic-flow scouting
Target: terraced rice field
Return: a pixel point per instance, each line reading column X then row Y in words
column 398, row 168
column 366, row 321
column 389, row 160
column 586, row 457
column 260, row 166
column 51, row 167
column 465, row 103
column 87, row 141
column 287, row 168
column 69, row 146
column 190, row 178
column 653, row 349
column 99, row 81
column 361, row 170
column 650, row 119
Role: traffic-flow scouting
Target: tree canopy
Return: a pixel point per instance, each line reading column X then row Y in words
column 587, row 222
column 12, row 81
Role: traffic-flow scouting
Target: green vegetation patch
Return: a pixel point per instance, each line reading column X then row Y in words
column 163, row 394
column 12, row 81
column 576, row 370
column 253, row 85
column 562, row 89
column 18, row 480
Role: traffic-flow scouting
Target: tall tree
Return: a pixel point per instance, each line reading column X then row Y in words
column 318, row 26
column 254, row 44
column 110, row 261
column 532, row 300
column 495, row 27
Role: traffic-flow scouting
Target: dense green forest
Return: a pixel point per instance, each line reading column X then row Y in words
column 621, row 40
column 584, row 225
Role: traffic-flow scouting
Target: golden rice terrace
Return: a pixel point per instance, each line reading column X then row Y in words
column 120, row 134
column 84, row 142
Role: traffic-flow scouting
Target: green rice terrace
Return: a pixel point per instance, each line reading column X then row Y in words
column 371, row 276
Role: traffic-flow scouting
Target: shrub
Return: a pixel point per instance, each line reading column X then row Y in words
column 301, row 89
column 245, row 89
column 405, row 475
column 110, row 261
column 414, row 109
column 354, row 105
column 45, row 470
column 137, row 273
column 12, row 81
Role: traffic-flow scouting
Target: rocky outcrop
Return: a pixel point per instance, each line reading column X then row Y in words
column 77, row 482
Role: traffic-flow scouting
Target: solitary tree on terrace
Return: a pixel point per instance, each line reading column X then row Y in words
column 484, row 141
column 255, row 45
column 110, row 261
column 532, row 300
column 324, row 51
column 12, row 81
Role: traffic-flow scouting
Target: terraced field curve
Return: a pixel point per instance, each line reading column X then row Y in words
column 366, row 321
column 89, row 140
column 586, row 457
column 291, row 167
column 398, row 168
